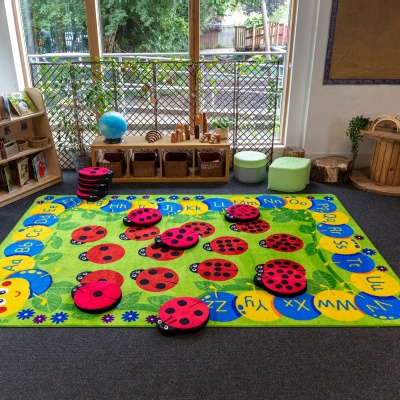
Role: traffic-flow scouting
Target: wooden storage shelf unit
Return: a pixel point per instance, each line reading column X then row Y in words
column 37, row 125
column 139, row 143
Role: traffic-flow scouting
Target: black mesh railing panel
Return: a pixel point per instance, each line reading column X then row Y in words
column 159, row 95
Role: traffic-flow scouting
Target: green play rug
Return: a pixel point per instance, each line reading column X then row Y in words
column 62, row 240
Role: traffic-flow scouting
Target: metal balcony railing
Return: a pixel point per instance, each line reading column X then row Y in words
column 159, row 93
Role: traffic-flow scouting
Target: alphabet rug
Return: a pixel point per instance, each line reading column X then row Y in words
column 298, row 261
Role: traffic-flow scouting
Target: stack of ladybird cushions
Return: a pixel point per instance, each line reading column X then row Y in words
column 93, row 183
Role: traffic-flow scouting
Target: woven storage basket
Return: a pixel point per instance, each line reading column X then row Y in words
column 175, row 165
column 38, row 142
column 114, row 161
column 22, row 145
column 144, row 164
column 210, row 164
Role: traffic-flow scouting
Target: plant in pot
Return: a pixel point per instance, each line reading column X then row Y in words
column 75, row 100
column 356, row 125
column 222, row 125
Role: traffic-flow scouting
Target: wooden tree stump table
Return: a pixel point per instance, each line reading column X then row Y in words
column 290, row 151
column 383, row 177
column 332, row 169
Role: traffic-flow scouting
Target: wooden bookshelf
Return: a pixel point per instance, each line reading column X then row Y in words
column 22, row 128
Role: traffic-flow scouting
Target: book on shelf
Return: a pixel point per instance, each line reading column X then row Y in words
column 7, row 178
column 21, row 103
column 23, row 170
column 39, row 165
column 5, row 113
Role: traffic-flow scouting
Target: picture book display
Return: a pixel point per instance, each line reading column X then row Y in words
column 7, row 179
column 5, row 113
column 39, row 165
column 23, row 170
column 22, row 104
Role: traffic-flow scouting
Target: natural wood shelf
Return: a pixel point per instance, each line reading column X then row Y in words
column 131, row 143
column 360, row 179
column 37, row 124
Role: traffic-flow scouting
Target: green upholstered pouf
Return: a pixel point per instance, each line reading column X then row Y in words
column 289, row 174
column 250, row 166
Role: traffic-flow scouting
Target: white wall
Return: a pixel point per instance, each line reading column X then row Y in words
column 11, row 78
column 319, row 125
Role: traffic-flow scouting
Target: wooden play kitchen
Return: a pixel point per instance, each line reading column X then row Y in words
column 383, row 176
column 168, row 152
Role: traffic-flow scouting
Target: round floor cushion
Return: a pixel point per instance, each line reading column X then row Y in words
column 250, row 166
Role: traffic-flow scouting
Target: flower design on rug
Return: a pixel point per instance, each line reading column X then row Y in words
column 131, row 198
column 39, row 319
column 59, row 318
column 174, row 197
column 359, row 237
column 49, row 198
column 25, row 314
column 151, row 319
column 369, row 252
column 329, row 198
column 130, row 316
column 108, row 318
column 382, row 268
column 160, row 199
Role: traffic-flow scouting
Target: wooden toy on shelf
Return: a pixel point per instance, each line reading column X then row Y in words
column 153, row 136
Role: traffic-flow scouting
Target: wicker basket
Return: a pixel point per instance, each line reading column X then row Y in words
column 144, row 164
column 38, row 142
column 175, row 165
column 113, row 161
column 210, row 164
column 22, row 145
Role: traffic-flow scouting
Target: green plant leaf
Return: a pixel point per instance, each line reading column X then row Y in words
column 130, row 300
column 311, row 249
column 324, row 279
column 158, row 301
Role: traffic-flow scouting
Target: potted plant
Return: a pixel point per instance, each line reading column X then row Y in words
column 356, row 125
column 76, row 100
column 222, row 125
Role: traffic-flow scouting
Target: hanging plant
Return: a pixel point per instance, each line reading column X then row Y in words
column 356, row 125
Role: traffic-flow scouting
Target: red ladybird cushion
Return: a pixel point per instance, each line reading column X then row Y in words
column 96, row 297
column 143, row 217
column 92, row 192
column 89, row 197
column 95, row 182
column 182, row 315
column 178, row 238
column 241, row 213
column 282, row 282
column 95, row 173
column 101, row 275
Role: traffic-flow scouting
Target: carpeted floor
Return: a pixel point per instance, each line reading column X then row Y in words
column 283, row 363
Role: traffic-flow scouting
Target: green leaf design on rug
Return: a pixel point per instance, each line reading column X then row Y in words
column 313, row 288
column 129, row 300
column 146, row 307
column 47, row 302
column 68, row 226
column 206, row 286
column 56, row 242
column 311, row 249
column 62, row 287
column 68, row 307
column 48, row 258
column 158, row 301
column 113, row 217
column 324, row 279
column 308, row 230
